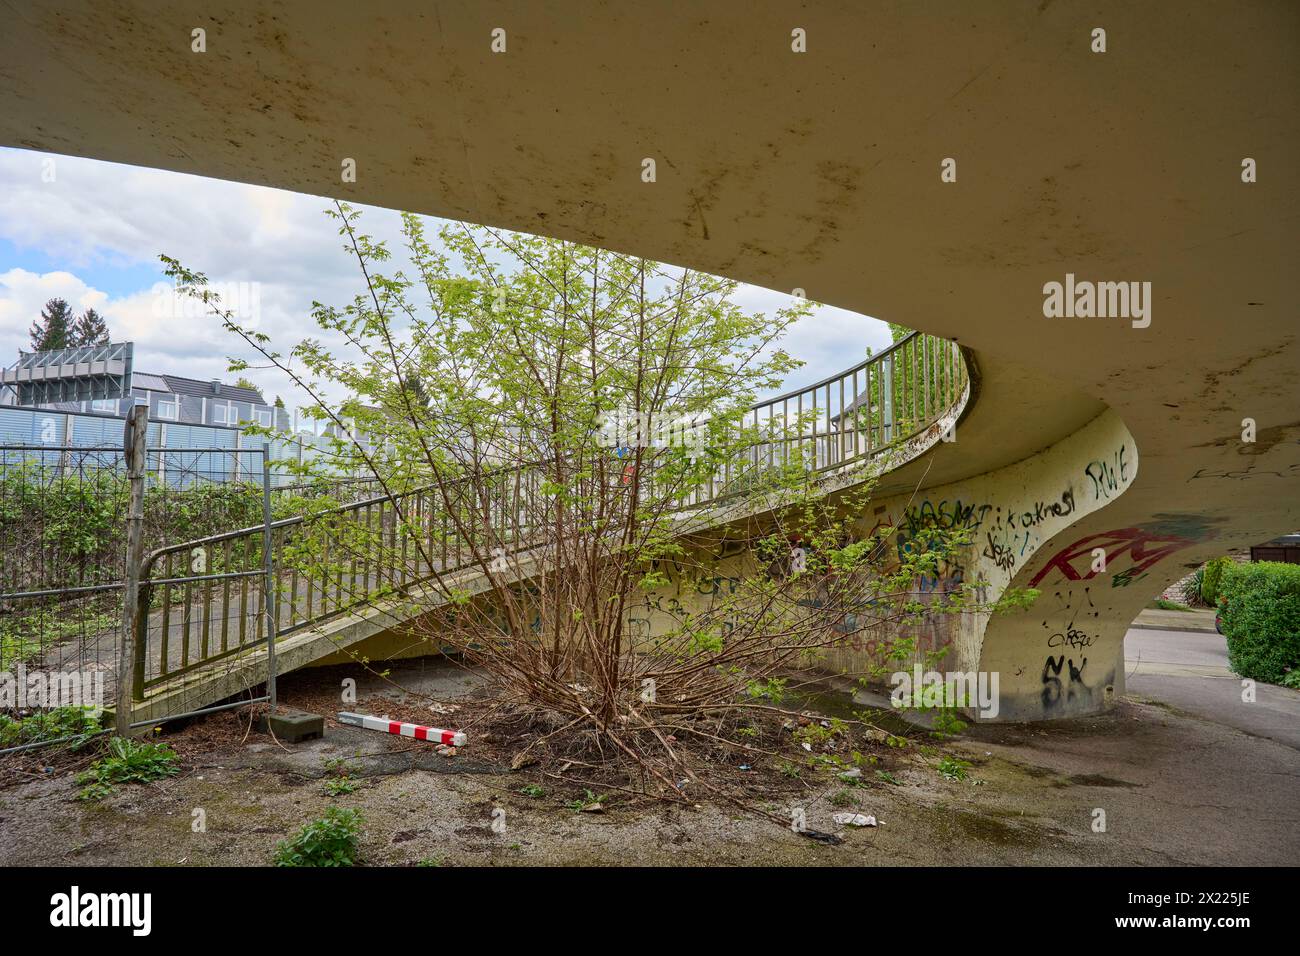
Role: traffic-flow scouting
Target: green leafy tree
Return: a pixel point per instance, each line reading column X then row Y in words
column 545, row 415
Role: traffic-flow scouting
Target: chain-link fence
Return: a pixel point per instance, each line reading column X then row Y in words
column 67, row 557
column 62, row 564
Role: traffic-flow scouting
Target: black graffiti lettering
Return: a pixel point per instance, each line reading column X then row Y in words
column 1042, row 510
column 1107, row 476
column 1053, row 687
column 999, row 554
column 1073, row 637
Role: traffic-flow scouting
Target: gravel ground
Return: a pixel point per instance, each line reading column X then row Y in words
column 1175, row 788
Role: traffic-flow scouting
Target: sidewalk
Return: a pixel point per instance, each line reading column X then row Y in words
column 1152, row 619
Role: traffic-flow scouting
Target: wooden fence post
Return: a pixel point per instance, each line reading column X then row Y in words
column 135, row 451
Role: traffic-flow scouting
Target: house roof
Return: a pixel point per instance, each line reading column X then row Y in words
column 153, row 383
column 192, row 386
column 196, row 388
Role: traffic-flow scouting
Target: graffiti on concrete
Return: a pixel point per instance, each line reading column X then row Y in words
column 1126, row 577
column 945, row 515
column 950, row 573
column 1070, row 691
column 1000, row 551
column 714, row 585
column 664, row 605
column 1012, row 533
column 1143, row 545
column 1244, row 474
column 1063, row 622
column 1009, row 533
column 1070, row 637
column 948, row 576
column 1043, row 510
column 1109, row 475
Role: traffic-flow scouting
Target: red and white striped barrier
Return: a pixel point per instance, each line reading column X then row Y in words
column 452, row 738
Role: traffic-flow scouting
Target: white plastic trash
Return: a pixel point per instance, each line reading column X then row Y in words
column 854, row 820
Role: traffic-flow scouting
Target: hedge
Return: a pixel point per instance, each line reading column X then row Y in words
column 1260, row 607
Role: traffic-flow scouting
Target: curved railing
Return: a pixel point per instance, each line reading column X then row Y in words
column 188, row 620
column 879, row 403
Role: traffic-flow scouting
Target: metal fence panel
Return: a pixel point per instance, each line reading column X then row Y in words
column 62, row 562
column 63, row 566
column 54, row 429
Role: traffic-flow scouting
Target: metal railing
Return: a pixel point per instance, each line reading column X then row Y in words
column 882, row 401
column 330, row 563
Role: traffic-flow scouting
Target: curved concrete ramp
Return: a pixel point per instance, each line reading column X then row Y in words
column 821, row 170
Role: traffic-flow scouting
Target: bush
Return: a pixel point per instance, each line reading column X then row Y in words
column 78, row 723
column 24, row 636
column 1260, row 607
column 1211, row 576
column 329, row 841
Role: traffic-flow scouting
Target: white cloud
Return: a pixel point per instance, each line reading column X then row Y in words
column 23, row 294
column 197, row 349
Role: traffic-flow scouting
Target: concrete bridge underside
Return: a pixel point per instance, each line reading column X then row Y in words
column 821, row 171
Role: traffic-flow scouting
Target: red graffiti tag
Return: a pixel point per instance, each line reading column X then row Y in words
column 1144, row 547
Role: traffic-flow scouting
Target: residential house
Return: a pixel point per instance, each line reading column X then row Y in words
column 186, row 401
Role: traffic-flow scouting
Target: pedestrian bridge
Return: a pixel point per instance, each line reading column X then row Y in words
column 946, row 167
column 350, row 580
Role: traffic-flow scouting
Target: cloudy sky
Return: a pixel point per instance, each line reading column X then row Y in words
column 93, row 235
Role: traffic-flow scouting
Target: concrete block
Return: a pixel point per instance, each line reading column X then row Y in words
column 291, row 726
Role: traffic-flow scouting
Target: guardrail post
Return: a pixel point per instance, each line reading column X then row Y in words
column 135, row 452
column 887, row 398
column 268, row 562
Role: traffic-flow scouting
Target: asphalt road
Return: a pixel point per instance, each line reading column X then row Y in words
column 1189, row 670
